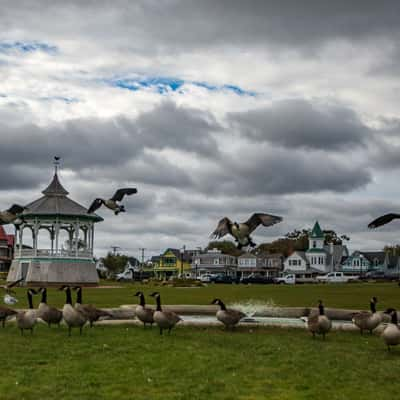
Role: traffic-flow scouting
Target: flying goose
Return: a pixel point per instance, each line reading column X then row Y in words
column 164, row 319
column 384, row 219
column 73, row 317
column 391, row 334
column 143, row 313
column 319, row 323
column 27, row 319
column 112, row 203
column 10, row 215
column 92, row 313
column 241, row 231
column 50, row 315
column 228, row 316
column 368, row 320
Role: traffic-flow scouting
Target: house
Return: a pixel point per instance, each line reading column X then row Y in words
column 6, row 250
column 360, row 262
column 268, row 265
column 173, row 263
column 296, row 263
column 213, row 261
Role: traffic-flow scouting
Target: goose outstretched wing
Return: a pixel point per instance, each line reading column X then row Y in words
column 223, row 228
column 264, row 219
column 384, row 219
column 120, row 193
column 95, row 205
column 16, row 209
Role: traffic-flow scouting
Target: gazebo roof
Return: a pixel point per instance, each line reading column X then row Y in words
column 56, row 203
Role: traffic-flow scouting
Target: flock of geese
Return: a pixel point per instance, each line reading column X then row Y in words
column 79, row 314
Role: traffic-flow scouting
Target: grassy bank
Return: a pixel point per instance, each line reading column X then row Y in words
column 352, row 296
column 131, row 363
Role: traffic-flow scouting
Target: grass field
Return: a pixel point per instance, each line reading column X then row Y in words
column 352, row 296
column 121, row 362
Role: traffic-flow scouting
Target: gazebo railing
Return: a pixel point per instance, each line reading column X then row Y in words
column 53, row 253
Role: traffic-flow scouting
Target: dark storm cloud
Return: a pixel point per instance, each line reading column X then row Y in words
column 90, row 143
column 301, row 124
column 184, row 24
column 266, row 170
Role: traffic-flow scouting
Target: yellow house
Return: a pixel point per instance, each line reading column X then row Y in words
column 173, row 263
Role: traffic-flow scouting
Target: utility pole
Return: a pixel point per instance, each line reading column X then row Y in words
column 115, row 248
column 142, row 249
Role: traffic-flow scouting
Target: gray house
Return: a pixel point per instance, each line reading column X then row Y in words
column 214, row 262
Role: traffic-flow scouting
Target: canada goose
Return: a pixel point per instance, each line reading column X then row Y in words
column 92, row 313
column 241, row 231
column 73, row 317
column 10, row 215
column 143, row 313
column 164, row 319
column 228, row 316
column 6, row 312
column 50, row 315
column 27, row 319
column 391, row 334
column 112, row 203
column 384, row 219
column 319, row 323
column 368, row 320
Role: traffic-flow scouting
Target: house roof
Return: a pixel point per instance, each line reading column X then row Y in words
column 3, row 235
column 301, row 254
column 247, row 255
column 372, row 255
column 55, row 202
column 317, row 231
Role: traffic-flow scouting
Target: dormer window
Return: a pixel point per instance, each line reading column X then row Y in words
column 314, row 244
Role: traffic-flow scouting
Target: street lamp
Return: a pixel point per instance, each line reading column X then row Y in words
column 182, row 251
column 196, row 263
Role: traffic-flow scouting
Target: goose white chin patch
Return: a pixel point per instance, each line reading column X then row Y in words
column 9, row 299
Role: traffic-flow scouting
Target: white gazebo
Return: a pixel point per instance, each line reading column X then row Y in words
column 60, row 234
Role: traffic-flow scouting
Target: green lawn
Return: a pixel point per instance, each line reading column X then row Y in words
column 352, row 296
column 128, row 362
column 194, row 363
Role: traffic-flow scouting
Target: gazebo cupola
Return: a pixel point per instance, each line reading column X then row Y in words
column 54, row 241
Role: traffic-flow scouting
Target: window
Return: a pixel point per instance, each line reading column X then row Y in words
column 314, row 244
column 216, row 261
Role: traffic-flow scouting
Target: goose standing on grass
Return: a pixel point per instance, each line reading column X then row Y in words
column 27, row 319
column 228, row 316
column 73, row 317
column 112, row 203
column 164, row 319
column 92, row 313
column 319, row 323
column 241, row 231
column 368, row 320
column 391, row 334
column 10, row 215
column 50, row 315
column 143, row 313
column 6, row 312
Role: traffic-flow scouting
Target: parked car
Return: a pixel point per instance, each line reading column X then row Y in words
column 256, row 279
column 222, row 278
column 289, row 279
column 337, row 277
column 206, row 278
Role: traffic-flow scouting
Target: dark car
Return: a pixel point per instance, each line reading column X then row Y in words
column 221, row 278
column 259, row 279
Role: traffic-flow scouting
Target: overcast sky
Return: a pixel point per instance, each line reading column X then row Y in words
column 210, row 108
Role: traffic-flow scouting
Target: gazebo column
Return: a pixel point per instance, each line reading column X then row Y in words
column 91, row 238
column 57, row 233
column 51, row 230
column 35, row 233
column 77, row 226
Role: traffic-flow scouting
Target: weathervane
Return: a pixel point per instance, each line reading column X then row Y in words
column 56, row 163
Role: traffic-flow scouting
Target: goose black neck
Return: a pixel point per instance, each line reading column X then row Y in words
column 68, row 297
column 141, row 300
column 222, row 305
column 321, row 309
column 79, row 296
column 30, row 301
column 44, row 296
column 394, row 317
column 158, row 300
column 373, row 307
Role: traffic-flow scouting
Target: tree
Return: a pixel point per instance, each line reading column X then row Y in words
column 115, row 262
column 393, row 250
